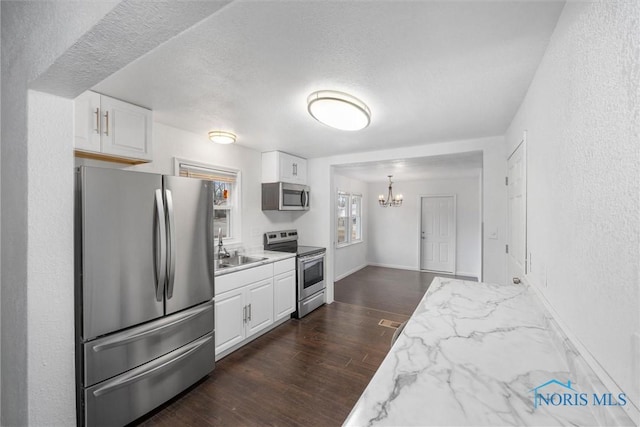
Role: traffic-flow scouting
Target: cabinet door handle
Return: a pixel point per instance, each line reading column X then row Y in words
column 244, row 315
column 97, row 113
column 295, row 169
column 249, row 312
column 106, row 115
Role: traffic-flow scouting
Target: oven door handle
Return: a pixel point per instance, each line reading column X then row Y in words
column 311, row 258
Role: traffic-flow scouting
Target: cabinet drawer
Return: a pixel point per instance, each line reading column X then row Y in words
column 283, row 266
column 241, row 278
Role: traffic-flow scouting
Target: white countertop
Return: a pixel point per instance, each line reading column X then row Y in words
column 271, row 256
column 472, row 354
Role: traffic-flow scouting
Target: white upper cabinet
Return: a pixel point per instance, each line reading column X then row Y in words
column 109, row 129
column 282, row 167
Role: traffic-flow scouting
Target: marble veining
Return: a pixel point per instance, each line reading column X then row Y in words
column 472, row 354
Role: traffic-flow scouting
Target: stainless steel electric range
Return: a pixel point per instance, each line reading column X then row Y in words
column 310, row 271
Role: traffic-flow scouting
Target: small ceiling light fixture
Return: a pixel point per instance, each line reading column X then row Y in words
column 338, row 110
column 221, row 137
column 391, row 201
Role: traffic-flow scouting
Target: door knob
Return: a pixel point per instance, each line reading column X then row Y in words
column 516, row 280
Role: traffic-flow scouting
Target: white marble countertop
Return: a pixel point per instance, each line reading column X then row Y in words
column 271, row 256
column 472, row 354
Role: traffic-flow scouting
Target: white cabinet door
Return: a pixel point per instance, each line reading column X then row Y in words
column 126, row 129
column 284, row 295
column 301, row 171
column 87, row 122
column 282, row 167
column 287, row 163
column 293, row 169
column 229, row 323
column 260, row 306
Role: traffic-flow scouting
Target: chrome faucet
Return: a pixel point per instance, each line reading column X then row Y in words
column 222, row 251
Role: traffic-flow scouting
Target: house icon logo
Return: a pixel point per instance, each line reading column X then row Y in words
column 546, row 398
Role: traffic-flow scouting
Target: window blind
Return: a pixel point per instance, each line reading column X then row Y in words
column 199, row 172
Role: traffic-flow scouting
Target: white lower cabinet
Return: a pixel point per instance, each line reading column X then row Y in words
column 243, row 312
column 229, row 313
column 284, row 295
column 259, row 298
column 251, row 301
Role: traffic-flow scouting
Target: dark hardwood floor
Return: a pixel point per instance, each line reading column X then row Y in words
column 386, row 289
column 309, row 371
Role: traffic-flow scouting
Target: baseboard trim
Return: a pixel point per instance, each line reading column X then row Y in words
column 464, row 273
column 350, row 272
column 397, row 267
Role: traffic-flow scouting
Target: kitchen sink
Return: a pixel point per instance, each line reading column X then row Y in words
column 237, row 260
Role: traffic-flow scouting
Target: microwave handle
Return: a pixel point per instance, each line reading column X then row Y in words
column 303, row 198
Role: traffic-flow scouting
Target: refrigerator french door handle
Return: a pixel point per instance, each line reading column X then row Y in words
column 160, row 234
column 136, row 375
column 171, row 230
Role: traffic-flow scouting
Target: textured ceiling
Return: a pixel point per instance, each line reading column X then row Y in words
column 417, row 168
column 430, row 71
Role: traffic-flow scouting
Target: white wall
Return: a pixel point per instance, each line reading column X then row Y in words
column 25, row 55
column 314, row 223
column 50, row 316
column 582, row 114
column 394, row 232
column 60, row 48
column 349, row 259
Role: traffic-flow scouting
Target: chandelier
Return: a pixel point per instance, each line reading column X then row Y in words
column 391, row 201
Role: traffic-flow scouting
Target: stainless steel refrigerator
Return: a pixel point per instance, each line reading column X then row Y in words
column 144, row 289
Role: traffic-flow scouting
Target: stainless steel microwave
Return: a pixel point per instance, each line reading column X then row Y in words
column 282, row 196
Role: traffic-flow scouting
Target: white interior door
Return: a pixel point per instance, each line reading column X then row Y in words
column 517, row 243
column 438, row 234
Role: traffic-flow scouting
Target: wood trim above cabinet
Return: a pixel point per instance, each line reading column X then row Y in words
column 107, row 158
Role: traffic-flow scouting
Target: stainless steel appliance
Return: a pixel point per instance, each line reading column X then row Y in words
column 144, row 287
column 309, row 268
column 282, row 196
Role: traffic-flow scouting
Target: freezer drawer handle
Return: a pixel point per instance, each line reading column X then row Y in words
column 172, row 243
column 133, row 336
column 159, row 243
column 151, row 371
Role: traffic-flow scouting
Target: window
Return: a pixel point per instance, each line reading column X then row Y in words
column 356, row 217
column 348, row 218
column 226, row 188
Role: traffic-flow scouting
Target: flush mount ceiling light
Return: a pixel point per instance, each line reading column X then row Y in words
column 220, row 137
column 338, row 110
column 391, row 201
